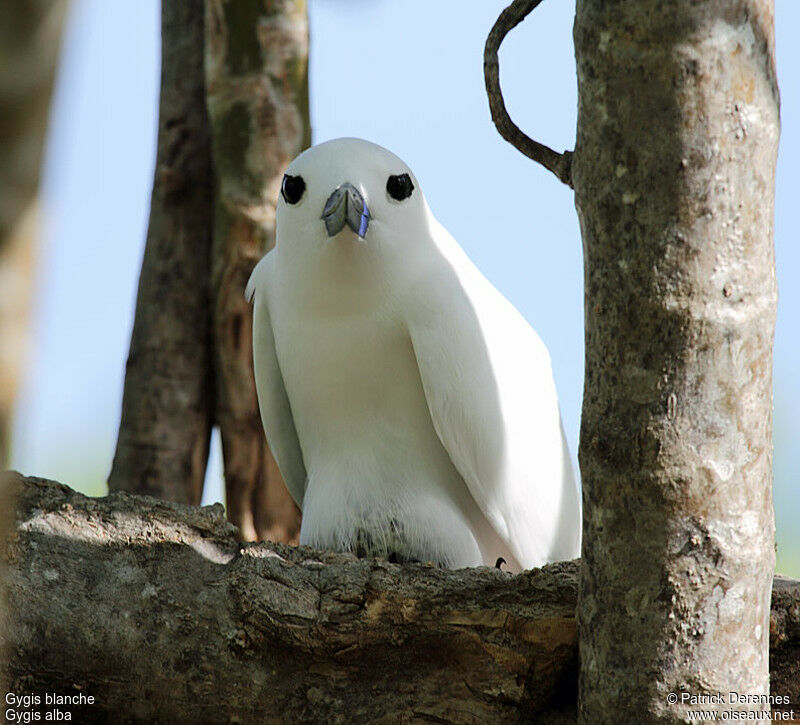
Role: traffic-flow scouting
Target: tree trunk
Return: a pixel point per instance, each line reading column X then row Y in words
column 190, row 363
column 30, row 35
column 674, row 180
column 155, row 611
column 167, row 404
column 257, row 95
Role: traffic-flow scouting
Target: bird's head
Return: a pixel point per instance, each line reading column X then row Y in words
column 350, row 196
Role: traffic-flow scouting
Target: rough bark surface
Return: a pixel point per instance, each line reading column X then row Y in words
column 30, row 35
column 784, row 641
column 7, row 522
column 257, row 94
column 167, row 404
column 157, row 611
column 674, row 180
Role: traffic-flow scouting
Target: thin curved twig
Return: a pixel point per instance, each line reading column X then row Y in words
column 559, row 164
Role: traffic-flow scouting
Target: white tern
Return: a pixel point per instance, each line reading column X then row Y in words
column 410, row 407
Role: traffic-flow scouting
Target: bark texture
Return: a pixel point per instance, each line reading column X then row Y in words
column 7, row 511
column 167, row 405
column 256, row 56
column 157, row 611
column 30, row 35
column 674, row 179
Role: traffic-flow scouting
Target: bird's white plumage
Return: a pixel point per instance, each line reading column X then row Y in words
column 409, row 406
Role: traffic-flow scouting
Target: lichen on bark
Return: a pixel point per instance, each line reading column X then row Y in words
column 674, row 179
column 234, row 90
column 257, row 96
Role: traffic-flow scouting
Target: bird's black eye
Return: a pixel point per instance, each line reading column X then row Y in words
column 292, row 188
column 399, row 186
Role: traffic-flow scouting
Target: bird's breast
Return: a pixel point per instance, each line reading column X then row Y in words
column 350, row 378
column 377, row 470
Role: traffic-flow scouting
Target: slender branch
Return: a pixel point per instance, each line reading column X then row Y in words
column 559, row 164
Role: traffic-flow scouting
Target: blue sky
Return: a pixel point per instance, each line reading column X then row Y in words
column 421, row 95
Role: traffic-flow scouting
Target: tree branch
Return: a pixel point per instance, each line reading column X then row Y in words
column 155, row 610
column 559, row 164
column 167, row 403
column 256, row 64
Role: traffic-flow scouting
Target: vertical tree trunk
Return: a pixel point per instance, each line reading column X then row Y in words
column 244, row 63
column 674, row 180
column 30, row 34
column 257, row 95
column 167, row 404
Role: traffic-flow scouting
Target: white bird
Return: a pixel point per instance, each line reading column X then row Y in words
column 410, row 407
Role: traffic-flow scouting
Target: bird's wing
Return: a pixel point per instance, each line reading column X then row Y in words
column 491, row 395
column 276, row 413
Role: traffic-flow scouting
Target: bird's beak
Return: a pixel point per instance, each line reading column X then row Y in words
column 346, row 206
